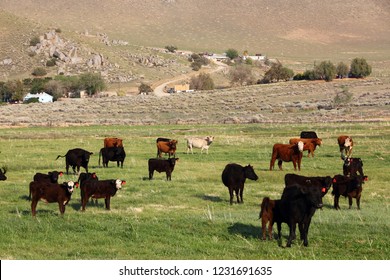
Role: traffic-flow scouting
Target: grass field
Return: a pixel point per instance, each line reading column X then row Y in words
column 189, row 217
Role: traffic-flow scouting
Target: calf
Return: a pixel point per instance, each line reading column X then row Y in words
column 297, row 206
column 267, row 216
column 201, row 143
column 286, row 152
column 165, row 145
column 350, row 187
column 51, row 177
column 76, row 158
column 234, row 177
column 309, row 145
column 322, row 183
column 50, row 193
column 2, row 174
column 83, row 177
column 162, row 165
column 352, row 166
column 345, row 144
column 117, row 154
column 99, row 189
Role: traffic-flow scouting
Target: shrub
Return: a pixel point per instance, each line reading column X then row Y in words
column 171, row 48
column 34, row 41
column 232, row 53
column 360, row 68
column 241, row 75
column 342, row 70
column 325, row 71
column 277, row 73
column 202, row 82
column 39, row 71
column 342, row 97
column 144, row 88
column 92, row 83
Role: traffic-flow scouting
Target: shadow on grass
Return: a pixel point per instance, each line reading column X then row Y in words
column 246, row 231
column 209, row 198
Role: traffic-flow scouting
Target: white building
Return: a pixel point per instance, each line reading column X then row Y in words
column 43, row 97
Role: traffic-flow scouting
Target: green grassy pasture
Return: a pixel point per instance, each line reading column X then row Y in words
column 189, row 217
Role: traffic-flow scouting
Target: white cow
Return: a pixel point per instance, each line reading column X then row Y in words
column 201, row 143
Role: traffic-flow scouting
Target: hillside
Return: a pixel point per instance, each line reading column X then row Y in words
column 295, row 33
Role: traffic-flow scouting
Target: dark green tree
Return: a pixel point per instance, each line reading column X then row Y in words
column 92, row 83
column 277, row 73
column 360, row 68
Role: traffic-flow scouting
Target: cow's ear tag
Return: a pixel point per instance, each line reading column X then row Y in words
column 334, row 180
column 323, row 190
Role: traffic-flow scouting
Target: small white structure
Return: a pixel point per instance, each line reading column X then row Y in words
column 43, row 97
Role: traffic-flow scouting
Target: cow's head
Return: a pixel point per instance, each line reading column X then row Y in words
column 70, row 186
column 2, row 174
column 300, row 146
column 318, row 141
column 172, row 161
column 313, row 195
column 119, row 183
column 209, row 139
column 250, row 173
column 348, row 142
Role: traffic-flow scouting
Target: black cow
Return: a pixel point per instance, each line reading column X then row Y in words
column 76, row 158
column 50, row 192
column 297, row 206
column 2, row 174
column 86, row 177
column 350, row 187
column 352, row 166
column 162, row 165
column 117, row 154
column 51, row 176
column 308, row 134
column 234, row 176
column 99, row 189
column 323, row 183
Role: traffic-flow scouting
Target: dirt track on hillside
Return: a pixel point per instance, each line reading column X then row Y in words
column 290, row 102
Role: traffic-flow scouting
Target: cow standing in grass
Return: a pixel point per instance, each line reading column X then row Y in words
column 2, row 174
column 234, row 177
column 287, row 152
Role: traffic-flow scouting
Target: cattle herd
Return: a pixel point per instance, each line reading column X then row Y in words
column 300, row 199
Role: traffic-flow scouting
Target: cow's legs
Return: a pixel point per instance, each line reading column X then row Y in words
column 62, row 208
column 107, row 202
column 358, row 202
column 151, row 174
column 231, row 195
column 34, row 207
column 291, row 236
column 241, row 191
column 336, row 202
column 350, row 201
column 280, row 162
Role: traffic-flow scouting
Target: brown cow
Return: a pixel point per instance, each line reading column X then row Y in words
column 51, row 192
column 267, row 216
column 165, row 145
column 345, row 144
column 112, row 142
column 310, row 144
column 350, row 187
column 287, row 152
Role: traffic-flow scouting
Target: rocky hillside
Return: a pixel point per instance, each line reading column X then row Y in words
column 124, row 40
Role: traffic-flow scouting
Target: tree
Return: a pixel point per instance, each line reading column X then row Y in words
column 325, row 70
column 144, row 88
column 55, row 89
column 277, row 73
column 202, row 82
column 241, row 75
column 342, row 70
column 92, row 83
column 232, row 53
column 359, row 68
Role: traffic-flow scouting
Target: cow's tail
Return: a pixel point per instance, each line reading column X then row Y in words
column 264, row 206
column 59, row 156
